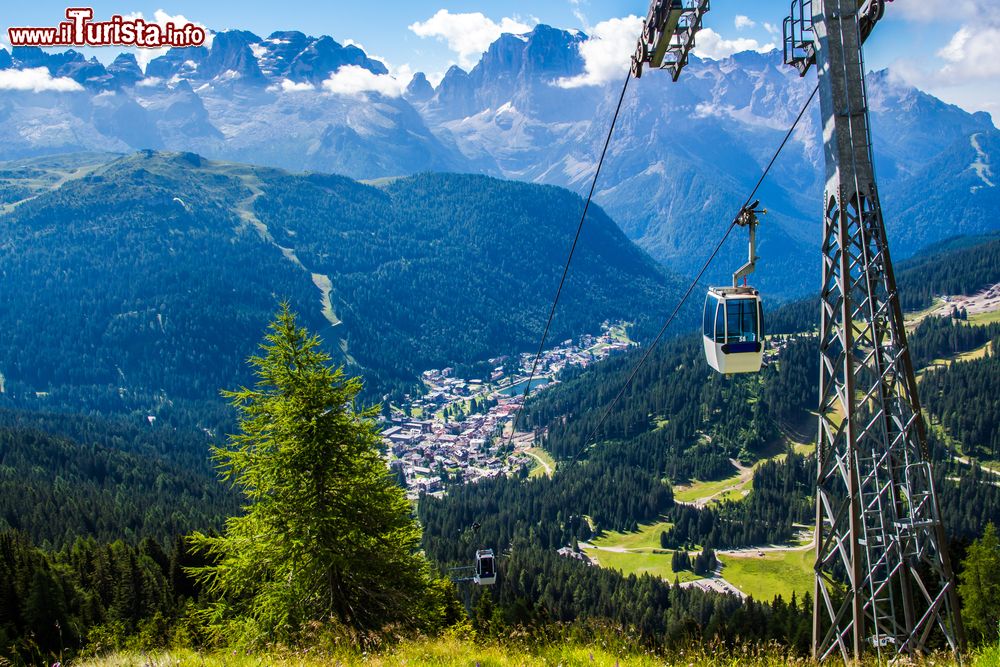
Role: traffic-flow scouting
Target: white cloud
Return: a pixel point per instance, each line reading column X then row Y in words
column 37, row 80
column 771, row 29
column 354, row 80
column 468, row 35
column 744, row 22
column 144, row 56
column 706, row 109
column 162, row 18
column 435, row 78
column 580, row 16
column 607, row 53
column 973, row 53
column 289, row 86
column 968, row 70
column 711, row 44
column 403, row 73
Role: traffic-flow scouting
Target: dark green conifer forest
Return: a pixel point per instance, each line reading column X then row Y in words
column 116, row 531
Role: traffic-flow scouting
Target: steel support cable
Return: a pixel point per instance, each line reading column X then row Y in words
column 673, row 314
column 572, row 250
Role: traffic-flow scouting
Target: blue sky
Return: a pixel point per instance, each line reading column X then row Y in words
column 953, row 54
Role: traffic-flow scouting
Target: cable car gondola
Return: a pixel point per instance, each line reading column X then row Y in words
column 486, row 570
column 733, row 321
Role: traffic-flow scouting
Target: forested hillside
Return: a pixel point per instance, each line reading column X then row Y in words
column 679, row 421
column 68, row 476
column 964, row 398
column 962, row 265
column 143, row 284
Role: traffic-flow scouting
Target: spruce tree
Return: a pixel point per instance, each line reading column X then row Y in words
column 327, row 535
column 979, row 586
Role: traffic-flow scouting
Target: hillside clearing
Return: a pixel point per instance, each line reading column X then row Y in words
column 774, row 573
column 647, row 537
column 653, row 563
column 546, row 464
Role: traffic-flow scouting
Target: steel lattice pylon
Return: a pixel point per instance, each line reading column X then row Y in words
column 883, row 577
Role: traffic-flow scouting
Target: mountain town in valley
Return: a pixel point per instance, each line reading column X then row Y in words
column 458, row 431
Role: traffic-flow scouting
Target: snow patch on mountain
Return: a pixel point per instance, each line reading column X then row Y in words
column 981, row 165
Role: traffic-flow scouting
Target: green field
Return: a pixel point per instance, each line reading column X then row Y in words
column 985, row 318
column 914, row 318
column 641, row 562
column 698, row 490
column 978, row 353
column 736, row 494
column 647, row 537
column 804, row 449
column 774, row 573
column 639, row 557
column 619, row 332
column 540, row 454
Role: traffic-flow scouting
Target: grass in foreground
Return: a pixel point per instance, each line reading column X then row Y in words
column 447, row 651
column 440, row 653
column 774, row 573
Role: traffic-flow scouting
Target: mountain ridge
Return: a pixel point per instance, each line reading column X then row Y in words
column 680, row 164
column 148, row 278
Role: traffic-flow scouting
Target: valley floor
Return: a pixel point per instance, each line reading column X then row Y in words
column 449, row 651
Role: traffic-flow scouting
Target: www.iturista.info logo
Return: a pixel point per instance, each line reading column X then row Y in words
column 81, row 30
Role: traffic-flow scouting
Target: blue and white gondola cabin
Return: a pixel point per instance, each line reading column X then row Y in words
column 734, row 330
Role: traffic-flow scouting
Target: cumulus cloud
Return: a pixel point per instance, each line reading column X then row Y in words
column 744, row 22
column 606, row 53
column 973, row 53
column 163, row 18
column 468, row 35
column 435, row 78
column 355, row 80
column 144, row 56
column 711, row 44
column 36, row 80
column 967, row 71
column 771, row 29
column 402, row 73
column 289, row 86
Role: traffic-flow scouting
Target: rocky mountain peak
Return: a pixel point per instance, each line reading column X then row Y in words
column 231, row 52
column 419, row 89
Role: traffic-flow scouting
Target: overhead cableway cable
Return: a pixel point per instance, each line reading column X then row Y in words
column 569, row 259
column 635, row 370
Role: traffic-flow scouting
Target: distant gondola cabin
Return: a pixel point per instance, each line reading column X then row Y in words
column 486, row 571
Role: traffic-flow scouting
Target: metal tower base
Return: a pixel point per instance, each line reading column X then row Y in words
column 883, row 578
